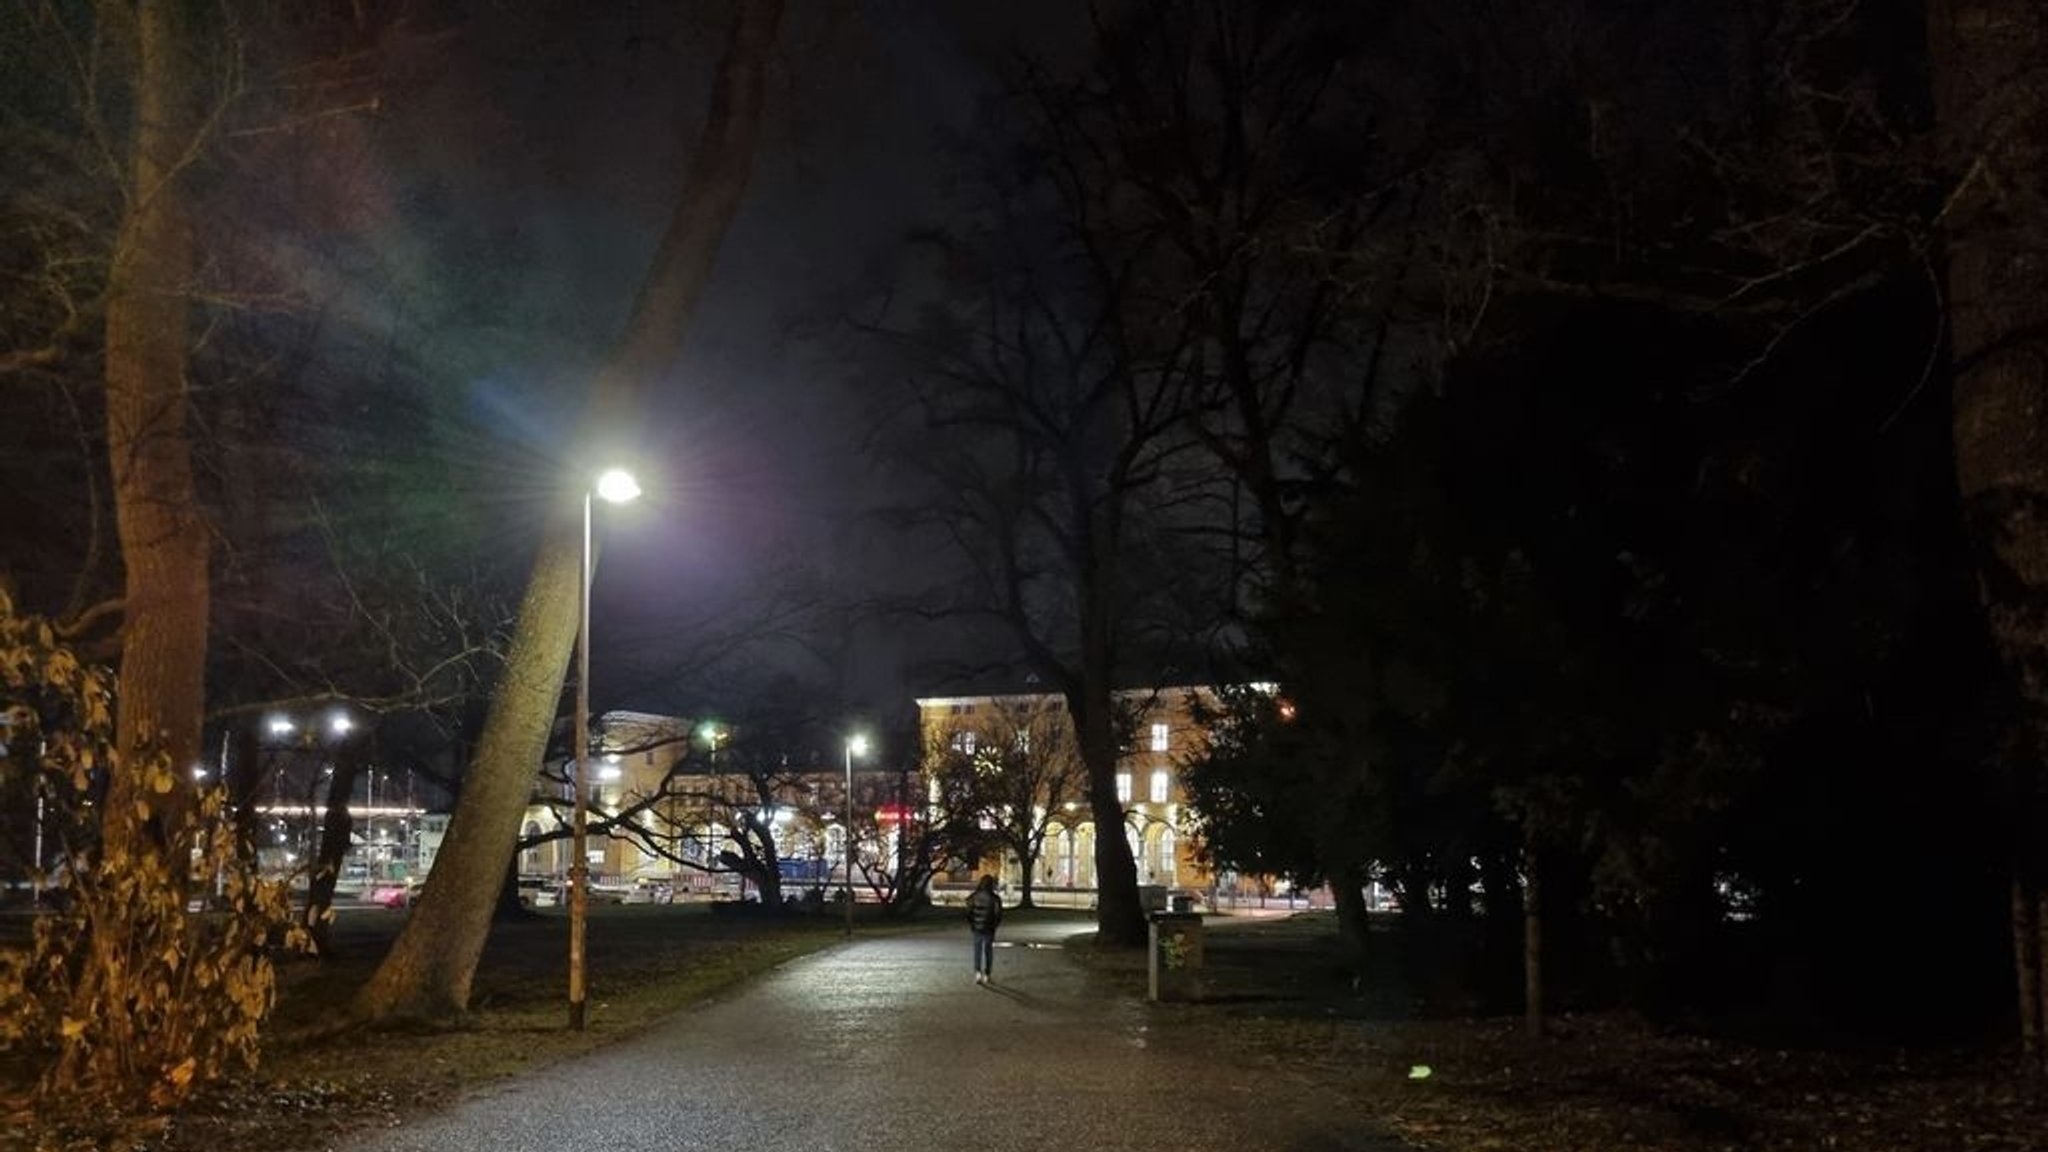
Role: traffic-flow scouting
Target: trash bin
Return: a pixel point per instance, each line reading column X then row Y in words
column 1180, row 902
column 1174, row 960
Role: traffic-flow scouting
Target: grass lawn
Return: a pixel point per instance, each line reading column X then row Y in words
column 1276, row 1002
column 318, row 1078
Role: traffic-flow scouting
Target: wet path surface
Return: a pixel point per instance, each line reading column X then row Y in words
column 888, row 1044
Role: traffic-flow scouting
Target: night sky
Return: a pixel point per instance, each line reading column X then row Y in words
column 532, row 156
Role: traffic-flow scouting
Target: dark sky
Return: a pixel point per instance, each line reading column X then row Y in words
column 532, row 160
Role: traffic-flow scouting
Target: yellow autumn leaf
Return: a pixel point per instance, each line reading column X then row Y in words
column 182, row 1074
column 73, row 1028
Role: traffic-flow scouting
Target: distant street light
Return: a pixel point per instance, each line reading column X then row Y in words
column 615, row 486
column 856, row 745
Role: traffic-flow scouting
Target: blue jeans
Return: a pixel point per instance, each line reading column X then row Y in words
column 985, row 953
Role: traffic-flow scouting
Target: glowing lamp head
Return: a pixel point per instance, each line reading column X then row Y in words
column 617, row 486
column 858, row 745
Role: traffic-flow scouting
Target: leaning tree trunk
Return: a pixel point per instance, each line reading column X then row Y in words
column 337, row 829
column 429, row 968
column 164, row 540
column 1990, row 69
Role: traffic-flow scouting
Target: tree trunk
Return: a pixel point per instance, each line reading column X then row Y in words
column 164, row 540
column 243, row 771
column 769, row 877
column 431, row 965
column 1503, row 894
column 1027, row 874
column 1458, row 874
column 2026, row 960
column 337, row 826
column 2041, row 980
column 1990, row 72
column 1532, row 942
column 1411, row 887
column 1347, row 883
column 509, row 906
column 1119, row 920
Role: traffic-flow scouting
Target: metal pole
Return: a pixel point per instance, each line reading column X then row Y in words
column 846, row 841
column 579, row 859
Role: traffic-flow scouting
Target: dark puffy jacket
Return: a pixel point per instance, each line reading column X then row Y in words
column 984, row 910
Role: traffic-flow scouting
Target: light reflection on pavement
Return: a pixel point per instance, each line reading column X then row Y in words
column 888, row 1044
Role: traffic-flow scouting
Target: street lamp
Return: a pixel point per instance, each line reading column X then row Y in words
column 856, row 745
column 615, row 486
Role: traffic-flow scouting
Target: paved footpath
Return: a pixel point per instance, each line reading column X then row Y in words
column 887, row 1044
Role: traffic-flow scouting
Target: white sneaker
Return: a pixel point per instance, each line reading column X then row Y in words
column 981, row 978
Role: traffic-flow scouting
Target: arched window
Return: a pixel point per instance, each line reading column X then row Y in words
column 1164, row 867
column 529, row 860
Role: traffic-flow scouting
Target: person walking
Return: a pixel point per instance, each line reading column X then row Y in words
column 984, row 915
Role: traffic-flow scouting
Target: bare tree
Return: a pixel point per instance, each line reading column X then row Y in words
column 1014, row 767
column 1046, row 431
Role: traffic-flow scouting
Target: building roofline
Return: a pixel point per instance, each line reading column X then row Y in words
column 982, row 697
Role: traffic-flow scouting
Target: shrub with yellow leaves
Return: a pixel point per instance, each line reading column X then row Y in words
column 155, row 972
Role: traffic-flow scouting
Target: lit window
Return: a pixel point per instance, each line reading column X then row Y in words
column 1159, row 787
column 1123, row 787
column 1159, row 733
column 1024, row 742
column 963, row 742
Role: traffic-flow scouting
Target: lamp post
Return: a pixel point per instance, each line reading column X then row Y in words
column 855, row 746
column 616, row 486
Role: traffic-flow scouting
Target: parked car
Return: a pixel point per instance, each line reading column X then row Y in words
column 389, row 895
column 539, row 891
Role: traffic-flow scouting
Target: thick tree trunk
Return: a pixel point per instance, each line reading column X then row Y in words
column 430, row 967
column 164, row 540
column 1119, row 920
column 1532, row 942
column 1990, row 69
